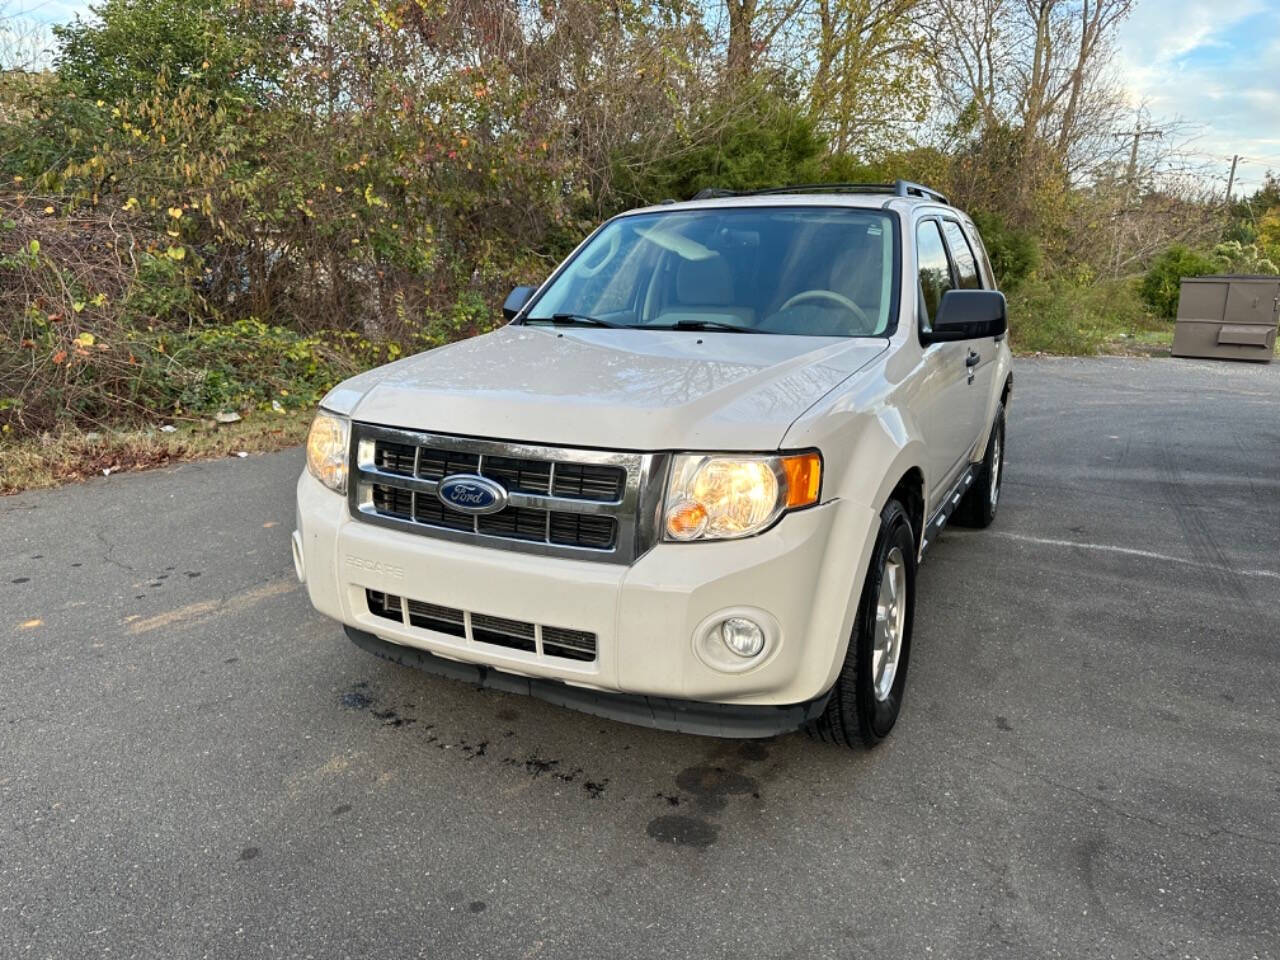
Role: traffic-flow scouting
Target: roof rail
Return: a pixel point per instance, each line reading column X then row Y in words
column 899, row 188
column 906, row 188
column 714, row 193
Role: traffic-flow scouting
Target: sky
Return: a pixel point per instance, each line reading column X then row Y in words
column 1213, row 66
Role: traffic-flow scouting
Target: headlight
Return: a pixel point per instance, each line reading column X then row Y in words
column 725, row 497
column 327, row 450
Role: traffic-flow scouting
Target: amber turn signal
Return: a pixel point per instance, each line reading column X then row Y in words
column 687, row 520
column 804, row 479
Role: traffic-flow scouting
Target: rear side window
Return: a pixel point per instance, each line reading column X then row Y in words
column 984, row 261
column 935, row 271
column 962, row 255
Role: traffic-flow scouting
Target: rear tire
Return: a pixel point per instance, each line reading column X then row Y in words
column 978, row 508
column 867, row 697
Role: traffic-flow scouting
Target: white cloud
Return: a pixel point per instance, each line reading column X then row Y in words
column 1159, row 31
column 1176, row 58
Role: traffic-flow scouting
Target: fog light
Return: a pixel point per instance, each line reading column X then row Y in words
column 744, row 637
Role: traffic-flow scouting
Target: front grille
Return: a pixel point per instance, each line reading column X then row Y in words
column 502, row 632
column 570, row 644
column 557, row 642
column 586, row 482
column 431, row 616
column 560, row 501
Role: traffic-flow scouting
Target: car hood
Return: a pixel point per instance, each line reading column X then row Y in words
column 615, row 389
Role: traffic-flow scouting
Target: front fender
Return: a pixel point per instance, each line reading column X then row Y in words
column 868, row 448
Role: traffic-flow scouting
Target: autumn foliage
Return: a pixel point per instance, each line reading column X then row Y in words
column 211, row 205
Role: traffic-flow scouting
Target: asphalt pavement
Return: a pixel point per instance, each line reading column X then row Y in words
column 194, row 764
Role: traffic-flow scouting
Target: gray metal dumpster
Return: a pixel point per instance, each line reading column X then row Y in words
column 1228, row 317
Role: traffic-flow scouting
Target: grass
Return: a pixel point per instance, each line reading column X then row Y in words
column 1068, row 319
column 70, row 455
column 1155, row 341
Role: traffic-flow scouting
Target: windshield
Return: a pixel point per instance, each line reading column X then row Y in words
column 810, row 271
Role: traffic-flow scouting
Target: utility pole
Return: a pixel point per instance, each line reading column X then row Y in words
column 1231, row 179
column 1131, row 178
column 1137, row 133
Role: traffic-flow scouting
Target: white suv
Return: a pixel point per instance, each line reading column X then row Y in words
column 689, row 483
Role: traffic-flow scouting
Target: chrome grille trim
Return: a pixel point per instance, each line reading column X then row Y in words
column 634, row 511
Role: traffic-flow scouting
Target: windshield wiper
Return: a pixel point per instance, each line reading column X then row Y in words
column 574, row 320
column 703, row 325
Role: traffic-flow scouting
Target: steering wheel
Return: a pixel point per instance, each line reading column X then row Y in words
column 827, row 295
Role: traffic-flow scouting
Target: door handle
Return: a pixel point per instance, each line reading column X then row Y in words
column 972, row 359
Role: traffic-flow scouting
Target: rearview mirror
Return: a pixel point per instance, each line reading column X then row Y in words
column 968, row 315
column 516, row 300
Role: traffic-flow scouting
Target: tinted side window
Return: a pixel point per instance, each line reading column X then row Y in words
column 966, row 265
column 975, row 240
column 935, row 271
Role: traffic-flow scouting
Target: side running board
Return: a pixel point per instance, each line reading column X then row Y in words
column 948, row 506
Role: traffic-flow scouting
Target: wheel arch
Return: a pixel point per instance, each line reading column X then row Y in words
column 909, row 491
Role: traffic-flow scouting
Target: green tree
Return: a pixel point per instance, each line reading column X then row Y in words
column 758, row 139
column 229, row 49
column 1162, row 283
column 1014, row 253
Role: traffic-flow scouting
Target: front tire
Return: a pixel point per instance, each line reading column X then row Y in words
column 978, row 508
column 867, row 697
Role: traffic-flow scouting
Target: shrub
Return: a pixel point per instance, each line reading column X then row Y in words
column 231, row 51
column 1235, row 257
column 1162, row 283
column 1062, row 316
column 757, row 139
column 1014, row 254
column 107, row 326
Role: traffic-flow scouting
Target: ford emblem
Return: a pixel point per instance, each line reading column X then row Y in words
column 468, row 493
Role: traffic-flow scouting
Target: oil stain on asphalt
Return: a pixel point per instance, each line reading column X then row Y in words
column 534, row 766
column 706, row 787
column 710, row 787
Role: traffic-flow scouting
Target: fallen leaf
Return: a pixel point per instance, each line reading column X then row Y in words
column 176, row 253
column 85, row 339
column 60, row 356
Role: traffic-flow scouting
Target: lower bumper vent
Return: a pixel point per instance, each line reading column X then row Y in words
column 559, row 642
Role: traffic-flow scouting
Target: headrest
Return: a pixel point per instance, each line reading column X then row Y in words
column 854, row 269
column 704, row 282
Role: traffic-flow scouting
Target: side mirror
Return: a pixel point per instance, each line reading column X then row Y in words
column 515, row 301
column 968, row 315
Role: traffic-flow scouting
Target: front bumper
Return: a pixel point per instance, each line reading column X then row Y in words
column 680, row 716
column 803, row 577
